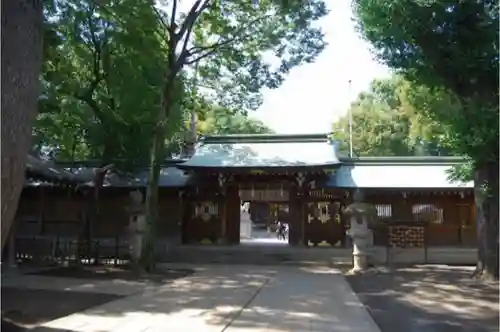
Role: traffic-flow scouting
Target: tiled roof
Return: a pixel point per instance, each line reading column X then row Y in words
column 40, row 170
column 263, row 151
column 169, row 177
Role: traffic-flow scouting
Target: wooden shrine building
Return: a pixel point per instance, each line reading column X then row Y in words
column 306, row 173
column 200, row 197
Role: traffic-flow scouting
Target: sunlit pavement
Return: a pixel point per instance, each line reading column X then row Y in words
column 232, row 299
column 262, row 237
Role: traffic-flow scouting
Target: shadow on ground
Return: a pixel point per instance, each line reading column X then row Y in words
column 249, row 297
column 423, row 298
column 114, row 273
column 429, row 298
column 27, row 308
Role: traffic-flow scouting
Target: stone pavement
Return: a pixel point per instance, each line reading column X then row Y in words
column 118, row 287
column 231, row 299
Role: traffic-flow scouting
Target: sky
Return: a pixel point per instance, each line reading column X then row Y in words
column 316, row 94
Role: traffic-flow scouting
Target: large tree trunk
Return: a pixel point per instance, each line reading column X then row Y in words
column 148, row 252
column 152, row 194
column 22, row 22
column 486, row 199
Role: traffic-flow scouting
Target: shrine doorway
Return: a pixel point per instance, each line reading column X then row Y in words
column 261, row 214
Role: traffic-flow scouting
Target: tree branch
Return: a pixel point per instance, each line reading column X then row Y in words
column 172, row 15
column 160, row 19
column 187, row 28
column 195, row 12
column 118, row 19
column 87, row 96
column 207, row 51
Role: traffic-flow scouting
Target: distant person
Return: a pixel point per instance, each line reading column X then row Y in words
column 282, row 230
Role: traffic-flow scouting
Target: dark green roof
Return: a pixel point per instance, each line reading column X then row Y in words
column 39, row 170
column 263, row 151
column 170, row 176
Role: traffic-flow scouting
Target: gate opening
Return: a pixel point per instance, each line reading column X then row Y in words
column 264, row 217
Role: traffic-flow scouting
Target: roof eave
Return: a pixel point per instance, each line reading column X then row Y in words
column 219, row 168
column 407, row 160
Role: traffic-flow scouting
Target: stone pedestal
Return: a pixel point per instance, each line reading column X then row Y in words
column 361, row 235
column 360, row 263
column 137, row 226
column 362, row 215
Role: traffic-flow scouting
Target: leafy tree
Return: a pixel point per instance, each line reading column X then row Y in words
column 450, row 48
column 100, row 88
column 67, row 127
column 385, row 123
column 221, row 121
column 230, row 43
column 21, row 63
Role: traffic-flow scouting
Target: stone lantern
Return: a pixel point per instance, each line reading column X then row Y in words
column 361, row 217
column 137, row 225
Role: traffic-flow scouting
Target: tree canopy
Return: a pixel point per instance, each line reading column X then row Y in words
column 101, row 87
column 221, row 121
column 449, row 51
column 387, row 123
column 101, row 81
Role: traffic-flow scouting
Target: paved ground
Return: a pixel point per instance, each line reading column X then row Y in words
column 429, row 299
column 264, row 238
column 27, row 308
column 222, row 299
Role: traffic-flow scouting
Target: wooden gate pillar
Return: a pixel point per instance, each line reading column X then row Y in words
column 232, row 216
column 296, row 209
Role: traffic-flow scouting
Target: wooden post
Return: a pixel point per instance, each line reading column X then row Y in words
column 223, row 216
column 222, row 205
column 117, row 250
column 302, row 202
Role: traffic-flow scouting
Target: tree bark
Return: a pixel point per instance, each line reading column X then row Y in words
column 152, row 194
column 22, row 53
column 486, row 200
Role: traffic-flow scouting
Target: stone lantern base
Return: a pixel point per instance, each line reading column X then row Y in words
column 360, row 263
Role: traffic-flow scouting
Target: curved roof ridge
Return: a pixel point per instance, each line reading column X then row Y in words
column 264, row 138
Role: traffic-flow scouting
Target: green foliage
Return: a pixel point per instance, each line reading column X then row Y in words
column 102, row 79
column 464, row 135
column 239, row 48
column 221, row 121
column 449, row 51
column 386, row 123
column 463, row 172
